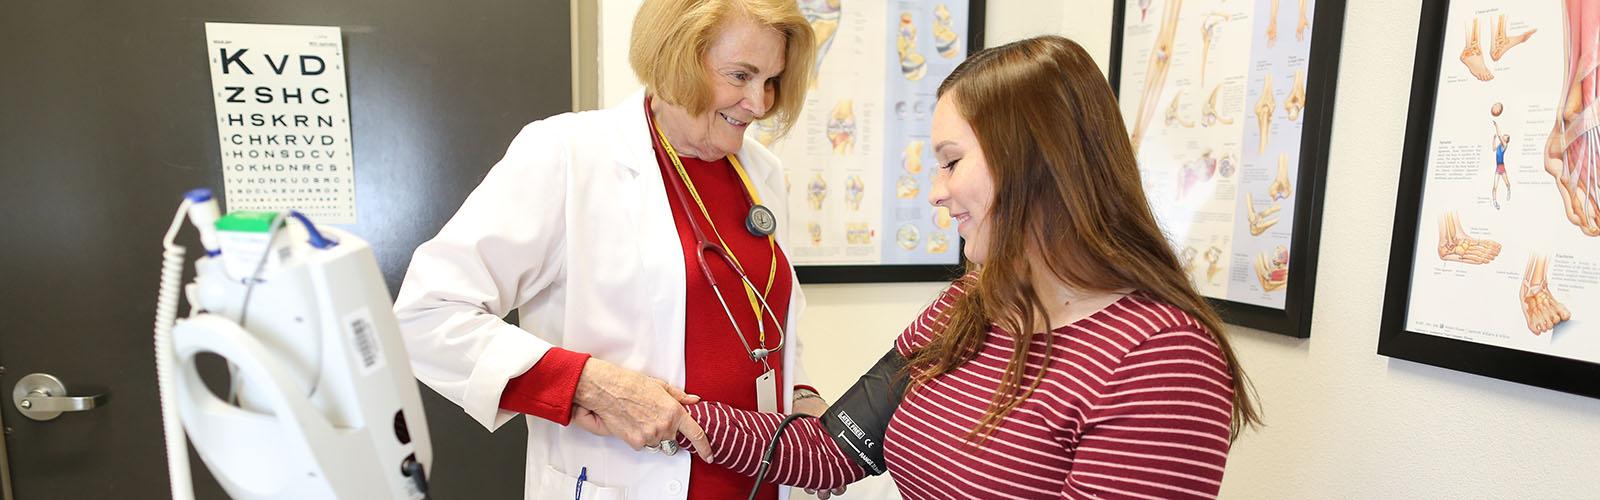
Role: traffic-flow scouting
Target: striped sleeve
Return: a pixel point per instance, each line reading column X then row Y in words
column 806, row 456
column 1160, row 429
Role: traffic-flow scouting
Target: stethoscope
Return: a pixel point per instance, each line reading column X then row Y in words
column 759, row 221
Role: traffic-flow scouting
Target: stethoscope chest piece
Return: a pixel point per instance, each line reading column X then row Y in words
column 760, row 221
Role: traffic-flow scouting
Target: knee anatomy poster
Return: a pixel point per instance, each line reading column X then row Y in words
column 1213, row 93
column 857, row 163
column 1507, row 246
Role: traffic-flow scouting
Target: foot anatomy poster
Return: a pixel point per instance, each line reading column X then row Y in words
column 857, row 163
column 1507, row 248
column 1213, row 93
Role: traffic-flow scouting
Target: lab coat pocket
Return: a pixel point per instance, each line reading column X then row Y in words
column 557, row 485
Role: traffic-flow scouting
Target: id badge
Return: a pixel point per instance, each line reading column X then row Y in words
column 767, row 392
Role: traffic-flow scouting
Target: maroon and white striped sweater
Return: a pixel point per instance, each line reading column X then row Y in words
column 1136, row 403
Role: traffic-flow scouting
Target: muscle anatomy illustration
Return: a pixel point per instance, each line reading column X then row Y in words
column 1264, row 106
column 1272, row 269
column 1571, row 152
column 1539, row 307
column 1262, row 219
column 1155, row 74
column 1456, row 246
column 1296, row 101
column 824, row 18
column 1208, row 113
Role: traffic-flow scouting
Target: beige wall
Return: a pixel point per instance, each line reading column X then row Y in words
column 616, row 23
column 1343, row 422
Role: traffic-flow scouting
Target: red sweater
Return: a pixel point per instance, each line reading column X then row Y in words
column 717, row 366
column 1135, row 403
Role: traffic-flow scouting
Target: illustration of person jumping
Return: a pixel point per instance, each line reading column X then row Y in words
column 1501, row 142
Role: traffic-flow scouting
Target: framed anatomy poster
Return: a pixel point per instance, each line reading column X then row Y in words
column 1228, row 105
column 857, row 163
column 1495, row 262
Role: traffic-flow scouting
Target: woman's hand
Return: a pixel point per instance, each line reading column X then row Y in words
column 615, row 401
column 696, row 435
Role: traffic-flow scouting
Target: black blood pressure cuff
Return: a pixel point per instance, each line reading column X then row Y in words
column 859, row 419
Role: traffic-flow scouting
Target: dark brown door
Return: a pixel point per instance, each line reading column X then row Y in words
column 106, row 118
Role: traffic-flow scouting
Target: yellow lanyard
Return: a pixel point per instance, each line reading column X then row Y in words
column 772, row 267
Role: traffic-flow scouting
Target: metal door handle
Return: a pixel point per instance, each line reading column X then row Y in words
column 42, row 396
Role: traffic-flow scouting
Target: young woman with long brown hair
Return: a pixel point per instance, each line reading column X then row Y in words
column 1076, row 359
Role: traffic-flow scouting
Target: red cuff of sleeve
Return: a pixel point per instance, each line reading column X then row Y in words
column 807, row 387
column 545, row 391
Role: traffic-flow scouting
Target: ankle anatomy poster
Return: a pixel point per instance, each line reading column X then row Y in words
column 1214, row 95
column 1507, row 246
column 857, row 162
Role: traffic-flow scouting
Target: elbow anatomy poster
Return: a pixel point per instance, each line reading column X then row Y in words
column 1497, row 246
column 857, row 162
column 283, row 119
column 1219, row 102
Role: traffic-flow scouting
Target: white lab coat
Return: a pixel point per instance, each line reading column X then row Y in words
column 573, row 230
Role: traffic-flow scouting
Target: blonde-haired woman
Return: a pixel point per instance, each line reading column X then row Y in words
column 638, row 245
column 1076, row 360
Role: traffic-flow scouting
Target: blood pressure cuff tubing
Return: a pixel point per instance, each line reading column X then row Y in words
column 859, row 419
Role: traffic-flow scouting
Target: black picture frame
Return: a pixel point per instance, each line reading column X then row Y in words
column 899, row 273
column 1304, row 241
column 1294, row 319
column 1395, row 340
